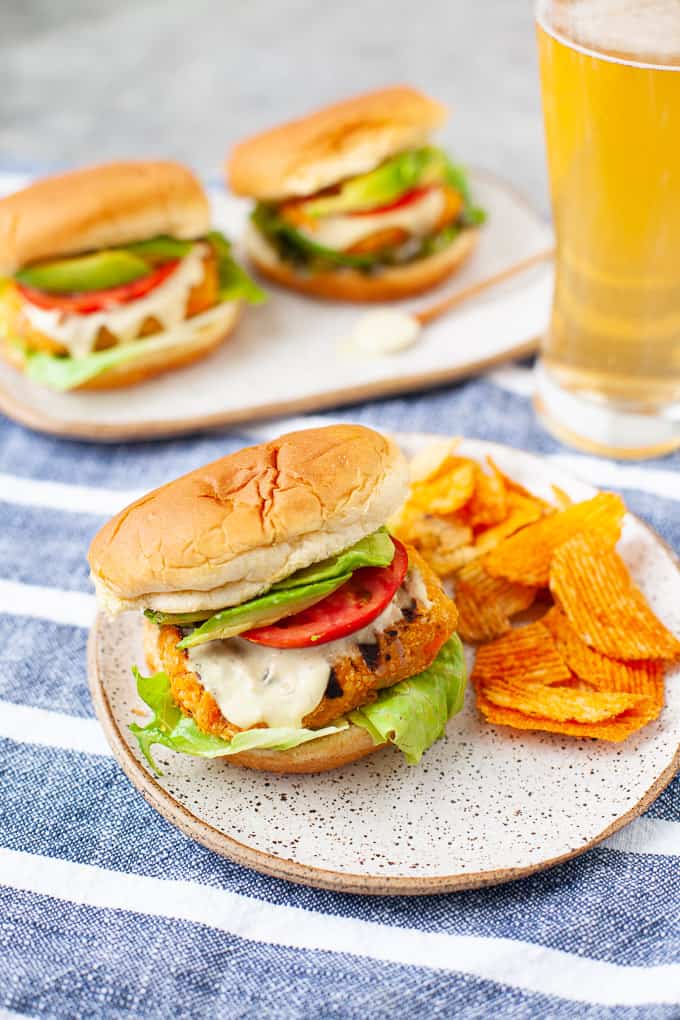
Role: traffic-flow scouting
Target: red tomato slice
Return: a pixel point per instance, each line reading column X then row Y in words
column 406, row 199
column 98, row 300
column 351, row 607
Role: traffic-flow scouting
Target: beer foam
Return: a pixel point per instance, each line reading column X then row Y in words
column 632, row 31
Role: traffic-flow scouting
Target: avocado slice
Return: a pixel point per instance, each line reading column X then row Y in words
column 99, row 271
column 160, row 249
column 261, row 611
column 383, row 185
column 375, row 550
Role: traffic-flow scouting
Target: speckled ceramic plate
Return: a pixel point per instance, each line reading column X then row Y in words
column 288, row 356
column 486, row 804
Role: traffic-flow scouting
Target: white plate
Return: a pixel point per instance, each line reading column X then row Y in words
column 286, row 356
column 485, row 805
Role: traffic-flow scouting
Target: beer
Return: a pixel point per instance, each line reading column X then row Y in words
column 610, row 74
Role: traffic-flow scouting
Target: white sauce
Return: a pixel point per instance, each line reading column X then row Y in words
column 341, row 232
column 384, row 331
column 280, row 686
column 167, row 303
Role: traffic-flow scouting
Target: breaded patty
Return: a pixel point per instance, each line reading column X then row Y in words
column 402, row 650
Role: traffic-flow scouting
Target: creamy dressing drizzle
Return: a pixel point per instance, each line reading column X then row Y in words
column 167, row 303
column 341, row 232
column 280, row 686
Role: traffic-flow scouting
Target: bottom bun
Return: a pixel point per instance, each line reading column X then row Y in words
column 320, row 755
column 198, row 344
column 343, row 284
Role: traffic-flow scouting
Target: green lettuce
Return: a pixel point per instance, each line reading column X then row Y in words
column 413, row 713
column 375, row 550
column 171, row 728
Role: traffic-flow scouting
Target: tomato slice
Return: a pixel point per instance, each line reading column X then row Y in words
column 99, row 300
column 353, row 606
column 406, row 199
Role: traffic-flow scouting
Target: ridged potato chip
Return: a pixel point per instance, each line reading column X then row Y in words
column 591, row 582
column 448, row 490
column 642, row 676
column 615, row 729
column 526, row 556
column 485, row 603
column 560, row 704
column 488, row 504
column 442, row 541
column 526, row 655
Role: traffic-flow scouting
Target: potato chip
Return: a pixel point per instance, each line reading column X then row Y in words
column 562, row 499
column 488, row 504
column 526, row 655
column 522, row 511
column 592, row 584
column 513, row 486
column 448, row 491
column 616, row 729
column 643, row 676
column 439, row 540
column 430, row 460
column 526, row 556
column 561, row 704
column 485, row 603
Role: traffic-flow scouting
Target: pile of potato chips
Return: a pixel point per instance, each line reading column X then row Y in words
column 592, row 661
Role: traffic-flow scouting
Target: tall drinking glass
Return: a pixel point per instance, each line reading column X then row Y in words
column 609, row 372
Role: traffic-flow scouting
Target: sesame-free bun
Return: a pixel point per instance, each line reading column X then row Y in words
column 196, row 341
column 99, row 207
column 342, row 284
column 339, row 141
column 227, row 531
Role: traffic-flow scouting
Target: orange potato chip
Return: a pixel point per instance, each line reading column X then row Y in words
column 592, row 584
column 442, row 541
column 488, row 504
column 448, row 490
column 431, row 460
column 561, row 704
column 522, row 511
column 643, row 676
column 513, row 486
column 610, row 729
column 562, row 499
column 526, row 556
column 526, row 655
column 485, row 604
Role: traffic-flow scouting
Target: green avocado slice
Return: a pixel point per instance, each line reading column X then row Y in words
column 384, row 184
column 99, row 271
column 161, row 248
column 261, row 611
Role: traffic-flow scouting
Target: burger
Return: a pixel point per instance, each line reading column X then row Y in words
column 354, row 203
column 111, row 274
column 284, row 627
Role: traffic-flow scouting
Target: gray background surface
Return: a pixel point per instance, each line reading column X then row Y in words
column 186, row 78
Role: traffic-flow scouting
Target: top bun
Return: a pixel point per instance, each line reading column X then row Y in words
column 339, row 141
column 228, row 531
column 100, row 207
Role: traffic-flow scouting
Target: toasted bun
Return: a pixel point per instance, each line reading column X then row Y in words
column 341, row 284
column 194, row 345
column 339, row 141
column 226, row 532
column 97, row 207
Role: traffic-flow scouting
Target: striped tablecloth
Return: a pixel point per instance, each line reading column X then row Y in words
column 106, row 910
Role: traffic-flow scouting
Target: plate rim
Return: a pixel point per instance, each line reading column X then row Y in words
column 325, row 878
column 31, row 417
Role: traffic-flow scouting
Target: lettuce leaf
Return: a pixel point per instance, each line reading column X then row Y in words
column 234, row 280
column 376, row 550
column 413, row 714
column 171, row 728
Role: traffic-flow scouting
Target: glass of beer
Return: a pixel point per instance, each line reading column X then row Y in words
column 608, row 379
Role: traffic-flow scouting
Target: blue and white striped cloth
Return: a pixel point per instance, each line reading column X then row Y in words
column 106, row 910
